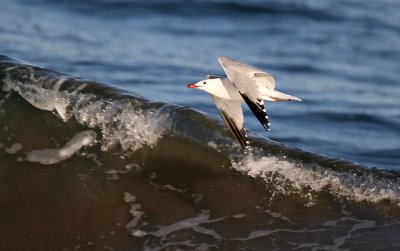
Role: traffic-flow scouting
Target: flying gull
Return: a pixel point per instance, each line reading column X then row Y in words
column 244, row 83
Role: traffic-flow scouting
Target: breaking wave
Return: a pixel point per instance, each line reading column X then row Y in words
column 131, row 123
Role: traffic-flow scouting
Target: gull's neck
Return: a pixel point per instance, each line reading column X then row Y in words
column 225, row 89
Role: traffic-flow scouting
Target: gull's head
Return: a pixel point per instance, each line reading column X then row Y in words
column 208, row 85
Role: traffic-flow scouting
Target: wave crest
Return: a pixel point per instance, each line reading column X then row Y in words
column 120, row 120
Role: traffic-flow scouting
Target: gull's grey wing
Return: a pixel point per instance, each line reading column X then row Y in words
column 264, row 79
column 247, row 80
column 231, row 112
column 235, row 71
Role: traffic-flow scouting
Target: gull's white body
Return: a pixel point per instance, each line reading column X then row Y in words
column 225, row 89
column 243, row 83
column 220, row 87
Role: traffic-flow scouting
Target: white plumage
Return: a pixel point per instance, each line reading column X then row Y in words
column 244, row 83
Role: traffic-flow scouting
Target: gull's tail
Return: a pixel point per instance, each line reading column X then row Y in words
column 273, row 95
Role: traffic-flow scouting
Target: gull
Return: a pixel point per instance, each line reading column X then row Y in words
column 243, row 83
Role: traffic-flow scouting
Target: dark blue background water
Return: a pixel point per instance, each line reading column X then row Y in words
column 341, row 57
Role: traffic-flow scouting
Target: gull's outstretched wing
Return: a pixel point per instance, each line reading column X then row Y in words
column 236, row 71
column 248, row 80
column 256, row 105
column 231, row 112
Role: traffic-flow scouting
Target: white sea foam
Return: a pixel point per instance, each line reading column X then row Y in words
column 165, row 234
column 185, row 224
column 132, row 165
column 113, row 174
column 343, row 184
column 14, row 148
column 134, row 225
column 354, row 225
column 53, row 156
column 190, row 223
column 119, row 121
column 358, row 225
column 263, row 233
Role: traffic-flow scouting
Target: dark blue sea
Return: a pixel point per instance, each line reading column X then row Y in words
column 102, row 146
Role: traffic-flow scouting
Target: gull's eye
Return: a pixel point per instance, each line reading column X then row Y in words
column 204, row 83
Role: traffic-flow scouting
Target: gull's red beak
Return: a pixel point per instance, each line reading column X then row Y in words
column 192, row 86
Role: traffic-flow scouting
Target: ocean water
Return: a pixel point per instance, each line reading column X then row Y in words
column 102, row 146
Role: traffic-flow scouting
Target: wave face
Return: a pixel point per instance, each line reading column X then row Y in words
column 156, row 176
column 340, row 57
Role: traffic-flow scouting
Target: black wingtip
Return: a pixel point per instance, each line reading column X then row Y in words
column 258, row 110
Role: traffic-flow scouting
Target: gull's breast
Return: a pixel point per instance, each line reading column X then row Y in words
column 229, row 91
